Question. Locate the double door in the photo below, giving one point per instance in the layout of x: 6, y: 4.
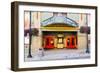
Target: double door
x: 71, y: 42
x: 49, y: 42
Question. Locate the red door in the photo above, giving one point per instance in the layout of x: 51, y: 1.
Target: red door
x: 49, y: 42
x: 71, y: 42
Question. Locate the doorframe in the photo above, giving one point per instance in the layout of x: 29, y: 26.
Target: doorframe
x: 62, y: 41
x: 76, y: 40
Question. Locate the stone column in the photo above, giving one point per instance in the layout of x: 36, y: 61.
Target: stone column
x: 36, y: 40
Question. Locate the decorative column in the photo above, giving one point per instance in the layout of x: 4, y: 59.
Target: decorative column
x: 37, y: 35
x: 86, y: 29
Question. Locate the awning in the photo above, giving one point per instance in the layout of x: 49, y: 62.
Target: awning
x: 59, y: 20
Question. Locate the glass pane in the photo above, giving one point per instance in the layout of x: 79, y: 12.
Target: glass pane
x: 60, y: 40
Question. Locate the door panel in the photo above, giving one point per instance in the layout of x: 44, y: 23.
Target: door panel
x: 60, y: 45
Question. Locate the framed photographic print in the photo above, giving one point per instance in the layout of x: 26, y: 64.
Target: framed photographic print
x: 52, y: 36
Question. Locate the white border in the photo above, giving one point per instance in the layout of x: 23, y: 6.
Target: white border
x: 33, y: 64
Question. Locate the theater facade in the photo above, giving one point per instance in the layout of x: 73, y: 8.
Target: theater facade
x: 57, y: 32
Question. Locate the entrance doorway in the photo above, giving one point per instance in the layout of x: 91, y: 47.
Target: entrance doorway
x: 71, y: 42
x: 49, y: 42
x: 60, y: 41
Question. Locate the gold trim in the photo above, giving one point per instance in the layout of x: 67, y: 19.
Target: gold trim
x: 60, y: 28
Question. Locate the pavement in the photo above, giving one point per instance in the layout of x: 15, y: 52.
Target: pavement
x: 60, y: 54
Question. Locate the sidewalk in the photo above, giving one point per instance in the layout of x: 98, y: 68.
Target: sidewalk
x: 59, y: 54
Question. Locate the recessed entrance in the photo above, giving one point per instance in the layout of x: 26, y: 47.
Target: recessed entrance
x: 59, y: 40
